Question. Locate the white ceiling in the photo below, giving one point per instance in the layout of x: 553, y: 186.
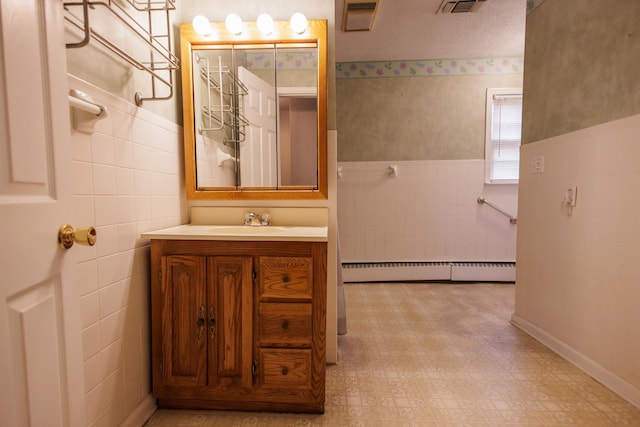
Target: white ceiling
x: 411, y: 29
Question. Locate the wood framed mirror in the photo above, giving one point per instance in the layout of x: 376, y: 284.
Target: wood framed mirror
x: 255, y: 112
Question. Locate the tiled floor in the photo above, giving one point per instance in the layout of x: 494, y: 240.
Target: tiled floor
x: 424, y: 354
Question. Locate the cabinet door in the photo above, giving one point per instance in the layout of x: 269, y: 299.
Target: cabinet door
x: 230, y: 309
x: 184, y: 336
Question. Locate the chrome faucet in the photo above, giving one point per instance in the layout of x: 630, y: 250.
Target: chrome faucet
x: 255, y: 220
x: 251, y: 218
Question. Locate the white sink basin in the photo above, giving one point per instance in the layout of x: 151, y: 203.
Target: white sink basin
x: 241, y: 232
x: 242, y: 229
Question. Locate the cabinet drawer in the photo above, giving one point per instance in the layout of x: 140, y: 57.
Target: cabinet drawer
x: 286, y: 277
x: 284, y: 324
x: 285, y: 368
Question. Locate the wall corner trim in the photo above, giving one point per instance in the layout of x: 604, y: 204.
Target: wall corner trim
x: 141, y: 414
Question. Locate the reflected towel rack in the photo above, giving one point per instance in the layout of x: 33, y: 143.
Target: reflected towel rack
x: 228, y: 112
x: 482, y: 200
x: 161, y: 61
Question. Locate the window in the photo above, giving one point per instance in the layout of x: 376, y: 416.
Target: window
x: 502, y: 141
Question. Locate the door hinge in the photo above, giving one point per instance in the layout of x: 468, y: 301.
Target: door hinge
x: 254, y: 367
x: 254, y: 274
x: 160, y: 274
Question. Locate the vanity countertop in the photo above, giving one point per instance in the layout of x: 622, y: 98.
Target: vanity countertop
x: 241, y: 233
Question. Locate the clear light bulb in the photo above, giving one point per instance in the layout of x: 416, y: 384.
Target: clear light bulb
x: 298, y: 22
x: 265, y: 23
x: 233, y: 23
x: 201, y: 25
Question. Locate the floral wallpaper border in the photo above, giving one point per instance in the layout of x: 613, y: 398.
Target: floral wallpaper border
x: 260, y: 60
x: 428, y: 67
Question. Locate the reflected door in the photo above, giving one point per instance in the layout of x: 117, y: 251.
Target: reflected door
x: 258, y: 151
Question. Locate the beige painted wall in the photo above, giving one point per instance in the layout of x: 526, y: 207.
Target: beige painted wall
x: 581, y: 64
x: 414, y: 118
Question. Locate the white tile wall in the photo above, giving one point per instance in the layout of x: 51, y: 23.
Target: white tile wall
x: 428, y: 213
x: 127, y: 179
x: 578, y: 275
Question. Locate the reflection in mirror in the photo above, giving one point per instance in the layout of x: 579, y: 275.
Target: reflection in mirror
x: 214, y: 121
x: 259, y: 150
x: 258, y: 117
x: 255, y: 116
x: 297, y: 116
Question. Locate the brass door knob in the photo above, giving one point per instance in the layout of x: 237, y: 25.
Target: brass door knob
x: 67, y: 236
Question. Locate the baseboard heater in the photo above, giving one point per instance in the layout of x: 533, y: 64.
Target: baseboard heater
x: 429, y: 271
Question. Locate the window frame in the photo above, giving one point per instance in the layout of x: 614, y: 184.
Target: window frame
x: 488, y: 144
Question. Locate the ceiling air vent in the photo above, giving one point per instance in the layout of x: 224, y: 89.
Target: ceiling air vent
x: 359, y: 14
x: 460, y: 6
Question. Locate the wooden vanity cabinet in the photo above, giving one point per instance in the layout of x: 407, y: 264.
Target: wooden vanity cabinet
x: 239, y: 325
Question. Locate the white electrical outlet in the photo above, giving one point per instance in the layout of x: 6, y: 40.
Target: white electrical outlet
x: 537, y: 164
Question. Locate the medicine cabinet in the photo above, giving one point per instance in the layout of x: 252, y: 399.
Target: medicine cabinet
x: 255, y: 112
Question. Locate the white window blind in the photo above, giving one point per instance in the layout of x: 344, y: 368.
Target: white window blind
x: 504, y: 123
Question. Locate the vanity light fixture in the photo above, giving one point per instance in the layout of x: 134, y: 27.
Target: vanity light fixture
x: 265, y: 23
x: 234, y: 24
x: 298, y: 22
x: 201, y: 25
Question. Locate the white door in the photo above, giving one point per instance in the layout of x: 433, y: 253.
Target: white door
x: 258, y: 153
x: 41, y: 373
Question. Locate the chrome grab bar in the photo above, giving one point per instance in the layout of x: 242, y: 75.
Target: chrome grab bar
x: 82, y: 101
x: 512, y: 220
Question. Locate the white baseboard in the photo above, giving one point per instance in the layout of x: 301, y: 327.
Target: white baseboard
x: 483, y: 272
x: 607, y: 378
x: 457, y: 271
x: 395, y: 271
x: 142, y: 413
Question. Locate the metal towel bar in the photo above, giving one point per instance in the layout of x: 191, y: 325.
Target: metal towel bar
x: 160, y: 63
x: 512, y: 219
